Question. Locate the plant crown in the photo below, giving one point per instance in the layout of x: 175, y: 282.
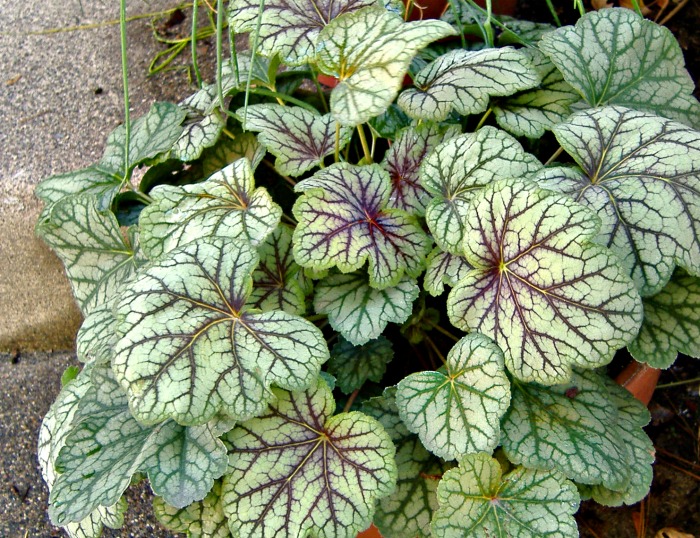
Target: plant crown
x: 287, y: 256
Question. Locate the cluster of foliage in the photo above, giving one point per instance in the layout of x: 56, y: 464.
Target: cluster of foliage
x: 233, y: 304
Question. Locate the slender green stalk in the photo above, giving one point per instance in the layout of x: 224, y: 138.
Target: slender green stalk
x: 283, y: 97
x: 253, y: 52
x: 553, y: 11
x: 578, y: 4
x: 337, y: 142
x: 554, y: 156
x: 219, y: 50
x: 125, y: 82
x: 363, y: 141
x: 483, y: 119
x: 679, y: 383
x: 453, y: 6
x: 637, y: 8
x: 234, y: 54
x: 487, y: 24
x: 195, y: 65
x: 321, y: 95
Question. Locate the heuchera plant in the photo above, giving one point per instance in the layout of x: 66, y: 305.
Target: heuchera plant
x: 271, y: 342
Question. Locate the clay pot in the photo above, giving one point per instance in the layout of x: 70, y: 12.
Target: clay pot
x: 372, y: 532
x: 640, y: 379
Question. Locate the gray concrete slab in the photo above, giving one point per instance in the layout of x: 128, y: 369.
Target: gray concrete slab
x: 60, y: 95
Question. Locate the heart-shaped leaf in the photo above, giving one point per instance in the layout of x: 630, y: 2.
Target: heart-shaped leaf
x: 97, y: 335
x: 360, y: 312
x: 444, y: 269
x: 226, y: 204
x: 202, y: 519
x: 344, y: 221
x: 300, y: 471
x: 57, y: 424
x: 671, y: 323
x: 614, y: 56
x: 547, y: 296
x: 97, y: 257
x: 465, y: 81
x: 352, y: 365
x: 278, y: 282
x: 571, y: 427
x: 202, y: 127
x: 190, y: 346
x: 458, y: 411
x: 461, y: 167
x: 532, y: 112
x: 289, y: 28
x: 298, y: 138
x: 632, y: 416
x: 641, y: 174
x: 108, y: 446
x: 403, y: 160
x: 407, y: 511
x: 369, y: 51
x: 476, y: 500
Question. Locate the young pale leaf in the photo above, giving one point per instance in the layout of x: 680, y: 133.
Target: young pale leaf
x: 632, y: 416
x: 202, y: 127
x: 278, y: 282
x: 461, y: 167
x: 443, y: 269
x: 298, y: 138
x: 407, y: 511
x: 108, y: 446
x: 532, y: 112
x: 403, y: 160
x: 57, y: 424
x: 97, y: 257
x: 97, y: 335
x: 614, y: 56
x: 344, y: 221
x: 151, y: 135
x: 360, y: 312
x: 202, y: 519
x: 289, y: 28
x: 572, y: 428
x: 298, y: 471
x: 641, y: 174
x: 190, y: 346
x: 352, y: 365
x: 547, y: 296
x: 226, y: 204
x: 369, y: 51
x: 671, y: 323
x: 458, y: 412
x: 227, y: 151
x: 476, y: 500
x: 465, y: 80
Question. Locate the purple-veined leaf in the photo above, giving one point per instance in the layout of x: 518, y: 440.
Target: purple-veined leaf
x: 352, y: 365
x: 108, y: 446
x: 369, y: 51
x: 298, y: 138
x: 298, y: 471
x: 226, y: 204
x: 465, y: 81
x: 97, y: 257
x: 403, y: 160
x: 407, y: 511
x: 443, y: 269
x: 289, y: 28
x: 477, y: 500
x: 344, y: 221
x: 615, y: 57
x: 461, y: 167
x: 641, y: 174
x: 191, y: 347
x: 671, y: 323
x: 278, y: 282
x: 360, y: 312
x: 548, y: 296
x: 457, y: 410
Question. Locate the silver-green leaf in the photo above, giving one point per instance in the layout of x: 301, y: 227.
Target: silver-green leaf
x: 458, y: 411
x: 615, y: 57
x: 202, y: 127
x: 97, y: 335
x: 444, y: 269
x: 299, y: 471
x: 360, y: 312
x: 464, y: 81
x: 190, y: 345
